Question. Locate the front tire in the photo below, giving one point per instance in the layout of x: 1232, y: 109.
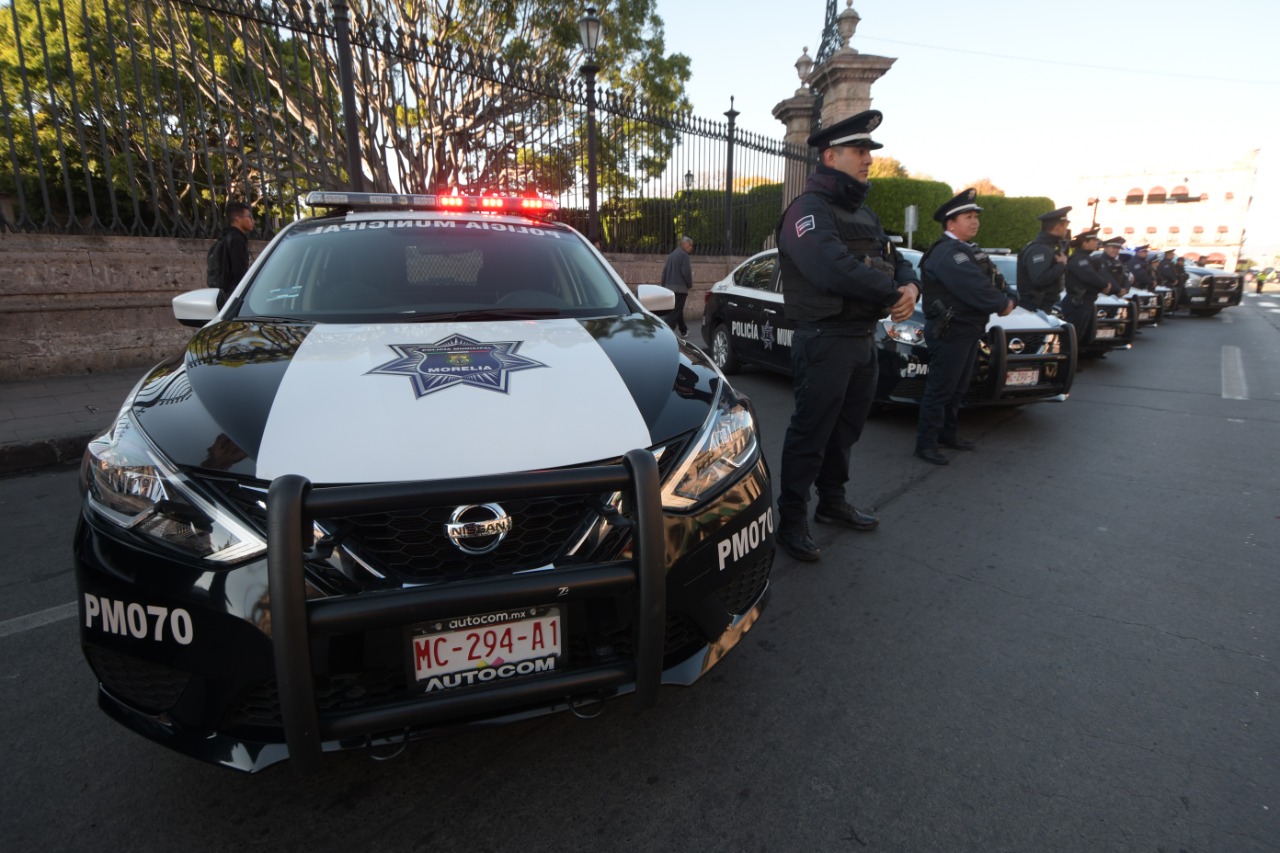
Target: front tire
x: 722, y: 350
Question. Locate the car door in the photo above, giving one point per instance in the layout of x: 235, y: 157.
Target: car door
x: 746, y: 303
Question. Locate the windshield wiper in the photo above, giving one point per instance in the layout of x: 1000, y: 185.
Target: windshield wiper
x: 490, y: 314
x: 268, y: 318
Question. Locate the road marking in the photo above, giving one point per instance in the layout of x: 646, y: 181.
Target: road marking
x: 1269, y: 305
x: 38, y: 619
x: 1233, y: 384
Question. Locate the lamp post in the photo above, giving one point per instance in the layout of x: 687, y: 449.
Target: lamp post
x: 589, y: 34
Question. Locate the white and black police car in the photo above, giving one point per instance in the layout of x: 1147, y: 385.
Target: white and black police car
x: 1115, y: 319
x: 1207, y: 291
x: 432, y: 466
x: 1025, y: 357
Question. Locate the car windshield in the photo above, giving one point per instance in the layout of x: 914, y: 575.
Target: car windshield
x: 1007, y: 266
x: 426, y: 268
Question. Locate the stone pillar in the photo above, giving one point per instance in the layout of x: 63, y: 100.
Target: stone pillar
x: 845, y: 78
x: 796, y: 113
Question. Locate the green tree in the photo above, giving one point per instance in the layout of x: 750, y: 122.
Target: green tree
x: 887, y: 167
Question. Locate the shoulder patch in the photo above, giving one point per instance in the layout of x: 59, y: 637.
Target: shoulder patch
x: 960, y: 258
x: 1035, y: 259
x: 805, y: 224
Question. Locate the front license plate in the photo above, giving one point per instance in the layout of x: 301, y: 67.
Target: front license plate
x: 1224, y: 298
x: 1144, y: 315
x: 471, y: 650
x: 1022, y: 377
x: 1105, y: 333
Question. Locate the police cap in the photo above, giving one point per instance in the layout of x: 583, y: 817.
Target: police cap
x: 1091, y: 234
x: 1142, y: 248
x: 964, y: 201
x: 1054, y: 215
x: 855, y: 130
x: 1114, y: 241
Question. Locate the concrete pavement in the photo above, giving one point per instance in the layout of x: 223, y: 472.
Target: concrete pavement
x: 49, y: 421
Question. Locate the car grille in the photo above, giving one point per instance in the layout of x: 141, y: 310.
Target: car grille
x: 141, y: 684
x: 414, y: 546
x: 738, y: 595
x: 1031, y: 343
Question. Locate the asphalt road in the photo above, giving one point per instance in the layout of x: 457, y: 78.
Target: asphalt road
x: 1064, y: 641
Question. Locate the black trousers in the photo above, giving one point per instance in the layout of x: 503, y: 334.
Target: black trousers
x: 1084, y: 318
x: 675, y: 319
x: 951, y: 363
x: 834, y: 374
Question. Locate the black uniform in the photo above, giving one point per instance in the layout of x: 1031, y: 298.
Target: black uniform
x: 1084, y: 282
x: 235, y: 261
x: 1039, y: 273
x: 1141, y: 273
x: 840, y: 275
x: 962, y: 289
x: 1113, y: 269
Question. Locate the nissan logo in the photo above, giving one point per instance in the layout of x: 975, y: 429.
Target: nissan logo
x: 478, y: 528
x: 1016, y: 345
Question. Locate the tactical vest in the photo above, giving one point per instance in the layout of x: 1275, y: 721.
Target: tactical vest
x: 933, y: 290
x: 864, y: 239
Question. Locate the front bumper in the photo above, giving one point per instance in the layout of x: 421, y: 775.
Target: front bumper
x: 265, y: 664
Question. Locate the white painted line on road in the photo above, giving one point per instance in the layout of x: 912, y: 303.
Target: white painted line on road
x: 38, y: 619
x: 1269, y: 305
x: 1233, y: 384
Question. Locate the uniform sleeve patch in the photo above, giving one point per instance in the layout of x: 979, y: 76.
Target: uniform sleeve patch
x: 960, y: 258
x: 1035, y: 259
x: 804, y: 225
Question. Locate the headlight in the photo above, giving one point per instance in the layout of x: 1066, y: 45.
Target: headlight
x: 129, y: 483
x: 726, y: 445
x: 907, y: 333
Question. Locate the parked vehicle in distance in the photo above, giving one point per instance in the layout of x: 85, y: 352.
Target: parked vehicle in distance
x: 1023, y: 358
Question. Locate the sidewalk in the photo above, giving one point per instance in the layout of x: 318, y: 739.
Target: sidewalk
x: 49, y: 421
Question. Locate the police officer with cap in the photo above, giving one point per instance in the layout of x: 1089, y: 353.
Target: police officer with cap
x: 1112, y: 267
x: 840, y: 276
x: 1042, y: 263
x: 962, y: 288
x: 1139, y: 269
x: 1084, y: 282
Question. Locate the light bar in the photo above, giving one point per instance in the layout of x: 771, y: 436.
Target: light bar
x: 383, y: 201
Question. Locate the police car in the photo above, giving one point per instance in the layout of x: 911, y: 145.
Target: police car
x: 1023, y: 358
x: 432, y: 466
x: 1207, y: 291
x: 1116, y: 321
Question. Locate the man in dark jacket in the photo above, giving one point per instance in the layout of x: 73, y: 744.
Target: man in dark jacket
x: 840, y: 276
x: 1112, y: 267
x: 1043, y: 262
x: 1085, y: 281
x: 233, y: 247
x: 961, y: 290
x: 677, y: 276
x: 1139, y: 268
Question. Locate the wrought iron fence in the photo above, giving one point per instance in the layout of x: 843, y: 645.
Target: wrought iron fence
x: 144, y: 117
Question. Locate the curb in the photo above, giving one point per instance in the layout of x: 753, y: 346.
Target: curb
x: 26, y: 457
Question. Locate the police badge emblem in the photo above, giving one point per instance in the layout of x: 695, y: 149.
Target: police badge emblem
x: 456, y: 360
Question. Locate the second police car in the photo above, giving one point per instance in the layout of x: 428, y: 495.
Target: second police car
x: 432, y: 466
x: 1025, y: 357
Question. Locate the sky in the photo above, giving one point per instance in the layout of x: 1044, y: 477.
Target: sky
x: 1032, y: 97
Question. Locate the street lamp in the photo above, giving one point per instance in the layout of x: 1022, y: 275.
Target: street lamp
x: 589, y: 33
x: 687, y: 202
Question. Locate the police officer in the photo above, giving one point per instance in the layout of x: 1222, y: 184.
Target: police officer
x: 1138, y: 268
x: 1111, y: 266
x: 840, y: 276
x: 961, y: 290
x: 1084, y: 282
x: 1043, y: 262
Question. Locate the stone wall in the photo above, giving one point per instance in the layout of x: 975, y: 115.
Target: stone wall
x: 74, y: 305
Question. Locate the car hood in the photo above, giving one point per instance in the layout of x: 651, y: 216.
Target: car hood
x: 348, y: 403
x: 1024, y: 320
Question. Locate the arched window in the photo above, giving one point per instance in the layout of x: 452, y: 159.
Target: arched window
x: 1199, y: 229
x: 1111, y: 200
x: 1151, y: 229
x: 1106, y: 230
x: 1128, y: 230
x: 1204, y: 196
x: 1216, y: 258
x: 1157, y: 195
x: 1134, y: 196
x: 1174, y: 229
x: 1180, y: 193
x: 1222, y: 229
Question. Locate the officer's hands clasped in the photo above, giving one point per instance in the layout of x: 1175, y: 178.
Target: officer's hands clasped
x: 906, y: 304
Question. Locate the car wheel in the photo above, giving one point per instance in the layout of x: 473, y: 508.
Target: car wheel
x: 722, y: 350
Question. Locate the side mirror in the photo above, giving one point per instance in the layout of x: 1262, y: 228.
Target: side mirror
x: 197, y: 307
x: 655, y: 297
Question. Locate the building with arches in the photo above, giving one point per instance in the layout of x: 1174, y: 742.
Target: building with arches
x: 1196, y: 214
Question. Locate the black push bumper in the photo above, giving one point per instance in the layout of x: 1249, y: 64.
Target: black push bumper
x: 292, y: 504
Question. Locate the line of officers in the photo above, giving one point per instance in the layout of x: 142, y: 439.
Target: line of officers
x: 841, y: 275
